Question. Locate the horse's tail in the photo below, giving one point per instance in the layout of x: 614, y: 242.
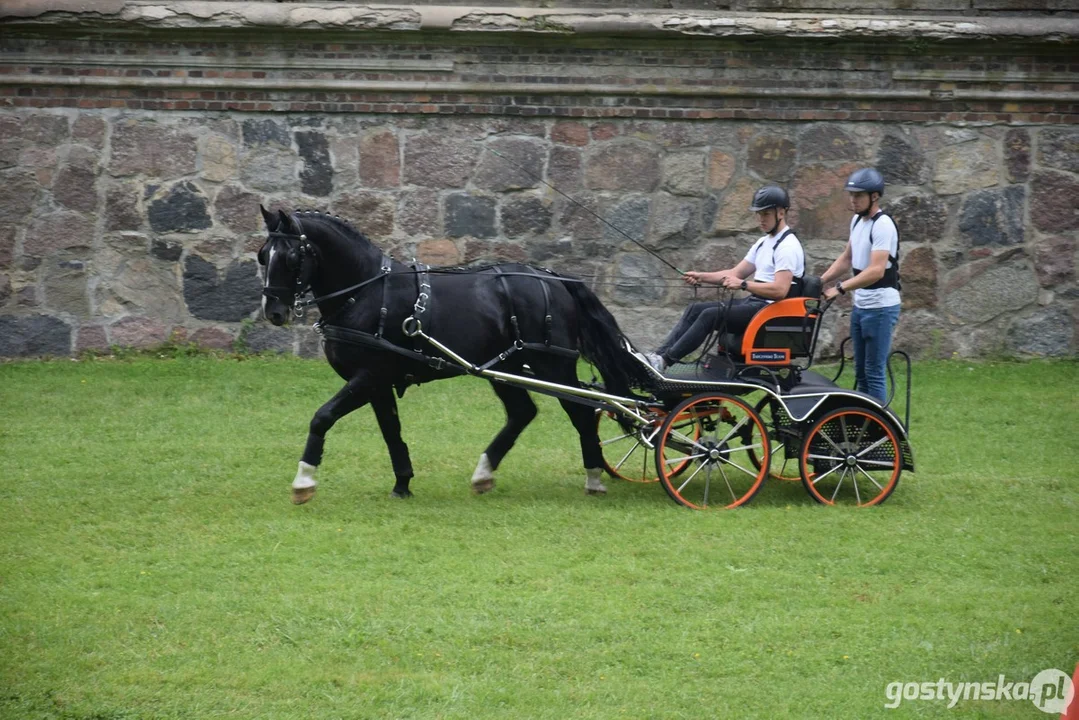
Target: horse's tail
x: 601, y: 341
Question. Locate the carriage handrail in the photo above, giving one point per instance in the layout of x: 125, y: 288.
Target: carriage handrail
x: 906, y: 359
x: 891, y: 377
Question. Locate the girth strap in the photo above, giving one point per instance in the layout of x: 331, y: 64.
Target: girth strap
x: 548, y: 322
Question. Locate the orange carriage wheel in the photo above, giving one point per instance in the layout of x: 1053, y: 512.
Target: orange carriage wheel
x: 851, y: 456
x: 628, y: 454
x: 709, y: 439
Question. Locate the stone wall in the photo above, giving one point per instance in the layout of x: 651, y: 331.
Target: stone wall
x: 133, y: 164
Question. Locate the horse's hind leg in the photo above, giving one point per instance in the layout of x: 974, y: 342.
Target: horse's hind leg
x: 520, y: 410
x: 347, y: 399
x: 385, y: 407
x: 584, y: 420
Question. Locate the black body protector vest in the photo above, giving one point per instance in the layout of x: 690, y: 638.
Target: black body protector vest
x: 891, y: 273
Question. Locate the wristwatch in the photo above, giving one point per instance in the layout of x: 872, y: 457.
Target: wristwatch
x: 839, y: 287
x: 744, y: 287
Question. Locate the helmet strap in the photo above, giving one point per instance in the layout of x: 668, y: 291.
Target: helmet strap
x: 775, y: 225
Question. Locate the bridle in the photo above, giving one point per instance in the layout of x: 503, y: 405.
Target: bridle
x: 303, y: 261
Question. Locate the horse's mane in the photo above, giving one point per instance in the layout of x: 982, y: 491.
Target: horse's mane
x: 352, y: 233
x: 346, y: 228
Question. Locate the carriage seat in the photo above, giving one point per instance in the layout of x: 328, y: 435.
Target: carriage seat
x: 781, y: 331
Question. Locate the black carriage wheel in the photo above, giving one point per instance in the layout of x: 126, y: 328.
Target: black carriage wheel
x: 851, y: 456
x: 708, y: 438
x: 773, y: 415
x: 628, y: 455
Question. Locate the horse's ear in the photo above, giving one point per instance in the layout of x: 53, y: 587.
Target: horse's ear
x: 288, y: 223
x: 267, y: 217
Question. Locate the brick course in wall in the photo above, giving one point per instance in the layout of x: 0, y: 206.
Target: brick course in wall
x: 133, y: 166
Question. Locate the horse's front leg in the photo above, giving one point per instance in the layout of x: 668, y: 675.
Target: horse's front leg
x: 352, y: 396
x: 385, y: 406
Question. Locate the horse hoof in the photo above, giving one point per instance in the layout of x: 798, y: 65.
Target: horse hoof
x: 482, y: 486
x: 302, y: 495
x: 401, y: 495
x: 595, y: 491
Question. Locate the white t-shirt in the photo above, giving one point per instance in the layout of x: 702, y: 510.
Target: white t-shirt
x: 767, y: 259
x: 885, y: 237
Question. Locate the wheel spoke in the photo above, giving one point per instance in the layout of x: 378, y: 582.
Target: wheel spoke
x: 830, y: 442
x: 747, y: 472
x: 687, y: 439
x: 608, y: 441
x: 870, y: 477
x: 873, y: 446
x: 839, y: 484
x: 826, y: 474
x: 618, y: 466
x: 879, y: 463
x: 857, y: 495
x: 825, y: 457
x: 747, y: 447
x: 734, y: 495
x: 843, y: 428
x: 690, y: 478
x: 707, y: 484
x: 736, y: 428
x: 686, y: 458
x: 861, y: 432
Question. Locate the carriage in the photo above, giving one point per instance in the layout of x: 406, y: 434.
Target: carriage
x: 711, y: 431
x: 750, y: 408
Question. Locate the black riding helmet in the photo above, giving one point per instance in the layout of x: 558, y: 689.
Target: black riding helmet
x: 866, y: 180
x: 770, y: 196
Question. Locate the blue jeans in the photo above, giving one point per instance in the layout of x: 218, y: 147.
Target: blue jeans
x: 871, y: 333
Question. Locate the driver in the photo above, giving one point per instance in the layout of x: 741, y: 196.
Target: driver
x: 770, y: 271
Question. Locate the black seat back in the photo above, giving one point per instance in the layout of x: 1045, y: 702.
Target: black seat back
x: 812, y: 287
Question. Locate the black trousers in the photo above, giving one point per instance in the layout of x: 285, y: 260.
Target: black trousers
x: 701, y: 318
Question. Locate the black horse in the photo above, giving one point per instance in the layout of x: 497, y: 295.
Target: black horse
x: 375, y: 312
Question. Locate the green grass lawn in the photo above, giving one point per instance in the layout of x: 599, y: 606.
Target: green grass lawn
x: 153, y: 567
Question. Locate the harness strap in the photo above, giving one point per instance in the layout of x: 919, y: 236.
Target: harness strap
x: 547, y: 321
x: 382, y: 312
x: 413, y: 325
x: 513, y: 311
x: 336, y: 333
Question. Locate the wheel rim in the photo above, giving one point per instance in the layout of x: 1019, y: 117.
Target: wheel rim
x: 629, y: 456
x: 708, y: 440
x: 851, y: 457
x: 770, y: 411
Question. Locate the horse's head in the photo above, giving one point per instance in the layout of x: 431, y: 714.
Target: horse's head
x: 289, y: 263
